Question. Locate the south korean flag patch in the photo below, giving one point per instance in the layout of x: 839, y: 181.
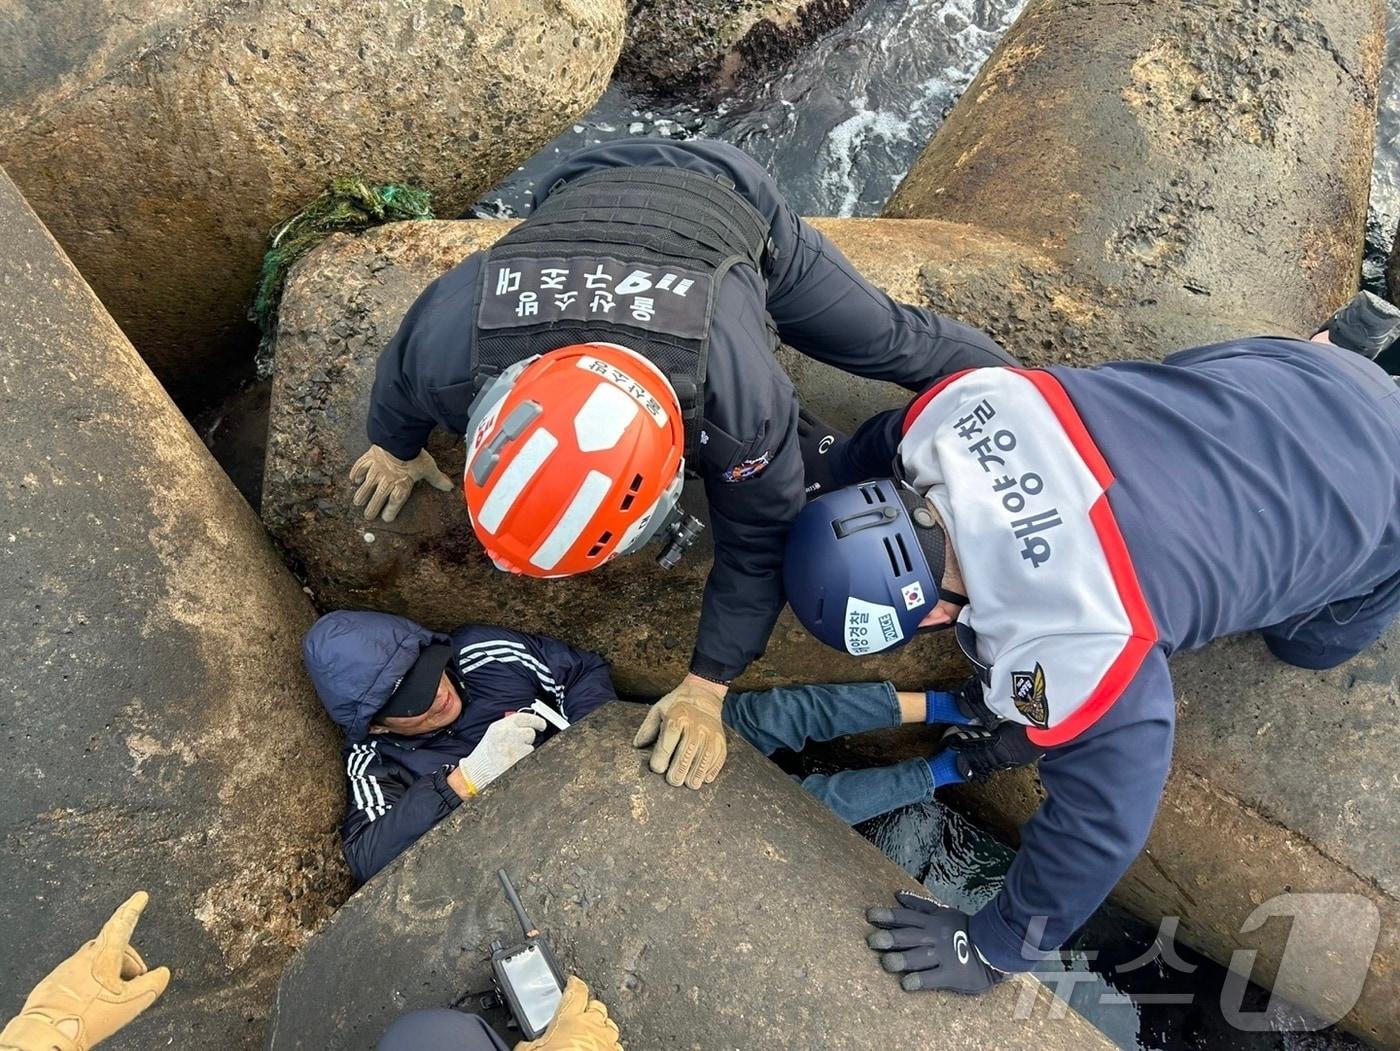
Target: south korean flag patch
x: 913, y: 595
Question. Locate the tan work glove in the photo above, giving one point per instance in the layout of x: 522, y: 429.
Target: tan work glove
x: 388, y: 481
x: 689, y: 735
x: 90, y: 995
x: 580, y: 1024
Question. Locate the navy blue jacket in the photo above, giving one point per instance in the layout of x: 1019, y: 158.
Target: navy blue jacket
x: 397, y: 786
x: 818, y: 304
x: 1257, y: 487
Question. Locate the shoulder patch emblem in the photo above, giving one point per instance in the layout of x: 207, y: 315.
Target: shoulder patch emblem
x: 1028, y: 694
x: 748, y: 468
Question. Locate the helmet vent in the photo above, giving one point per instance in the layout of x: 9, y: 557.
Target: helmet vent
x: 904, y: 554
x: 598, y: 546
x: 895, y: 566
x: 632, y: 492
x: 872, y: 494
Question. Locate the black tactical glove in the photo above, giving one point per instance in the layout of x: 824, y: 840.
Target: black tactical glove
x: 931, y: 947
x: 818, y: 442
x: 982, y: 753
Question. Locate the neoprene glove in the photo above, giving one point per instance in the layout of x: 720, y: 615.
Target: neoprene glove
x: 580, y: 1024
x: 505, y: 743
x: 92, y: 994
x: 931, y: 947
x: 685, y: 724
x: 818, y: 442
x: 385, y: 481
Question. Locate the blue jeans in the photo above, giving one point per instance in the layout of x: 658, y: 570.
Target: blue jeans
x: 791, y: 716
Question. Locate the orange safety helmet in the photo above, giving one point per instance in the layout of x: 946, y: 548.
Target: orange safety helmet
x: 573, y: 457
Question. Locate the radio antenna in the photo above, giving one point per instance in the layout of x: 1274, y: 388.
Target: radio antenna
x: 514, y: 899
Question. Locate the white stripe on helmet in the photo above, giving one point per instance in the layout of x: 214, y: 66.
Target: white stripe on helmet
x: 627, y: 384
x: 570, y: 527
x: 604, y: 418
x: 513, y: 479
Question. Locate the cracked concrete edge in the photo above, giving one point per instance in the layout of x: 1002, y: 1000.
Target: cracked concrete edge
x: 730, y: 917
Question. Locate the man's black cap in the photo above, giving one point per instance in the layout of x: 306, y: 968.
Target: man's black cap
x: 415, y: 692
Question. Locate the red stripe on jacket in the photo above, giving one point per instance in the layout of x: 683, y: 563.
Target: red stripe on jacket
x: 1142, y: 626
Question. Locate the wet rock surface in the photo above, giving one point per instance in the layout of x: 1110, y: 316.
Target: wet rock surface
x: 728, y: 918
x: 1392, y: 270
x: 161, y: 142
x: 1169, y: 152
x: 235, y: 432
x: 673, y: 46
x: 160, y: 731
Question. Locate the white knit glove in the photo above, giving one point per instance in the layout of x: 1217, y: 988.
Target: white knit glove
x: 505, y: 743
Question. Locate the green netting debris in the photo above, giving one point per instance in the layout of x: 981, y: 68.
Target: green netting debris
x: 348, y: 205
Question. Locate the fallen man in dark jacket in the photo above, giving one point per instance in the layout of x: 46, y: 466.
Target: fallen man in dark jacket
x: 431, y: 719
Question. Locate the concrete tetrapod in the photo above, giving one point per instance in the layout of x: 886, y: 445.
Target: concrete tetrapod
x: 1196, y: 167
x: 1109, y: 187
x: 159, y: 729
x: 161, y: 140
x: 1198, y: 171
x: 729, y: 918
x: 1273, y: 787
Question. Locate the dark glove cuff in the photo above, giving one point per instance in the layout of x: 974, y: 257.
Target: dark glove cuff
x: 968, y: 698
x: 712, y: 670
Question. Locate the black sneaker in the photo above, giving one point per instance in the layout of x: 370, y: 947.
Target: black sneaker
x: 1367, y: 324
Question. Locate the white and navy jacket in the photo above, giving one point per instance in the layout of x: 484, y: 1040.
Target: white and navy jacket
x: 1104, y: 518
x: 396, y: 786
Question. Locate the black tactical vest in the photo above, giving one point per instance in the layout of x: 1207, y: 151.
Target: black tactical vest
x: 632, y: 256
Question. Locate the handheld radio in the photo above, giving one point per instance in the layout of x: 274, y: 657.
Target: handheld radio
x: 527, y: 975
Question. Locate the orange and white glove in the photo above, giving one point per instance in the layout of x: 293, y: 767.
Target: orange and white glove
x: 90, y: 995
x: 580, y: 1024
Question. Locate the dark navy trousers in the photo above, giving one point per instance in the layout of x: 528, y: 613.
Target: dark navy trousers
x: 439, y: 1029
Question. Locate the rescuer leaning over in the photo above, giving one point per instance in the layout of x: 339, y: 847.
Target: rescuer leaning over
x: 1077, y: 527
x: 622, y: 337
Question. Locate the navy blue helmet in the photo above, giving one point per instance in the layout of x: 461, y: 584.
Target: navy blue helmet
x: 863, y: 566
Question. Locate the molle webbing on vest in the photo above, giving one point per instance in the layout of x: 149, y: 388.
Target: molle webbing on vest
x: 669, y: 233
x: 681, y: 215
